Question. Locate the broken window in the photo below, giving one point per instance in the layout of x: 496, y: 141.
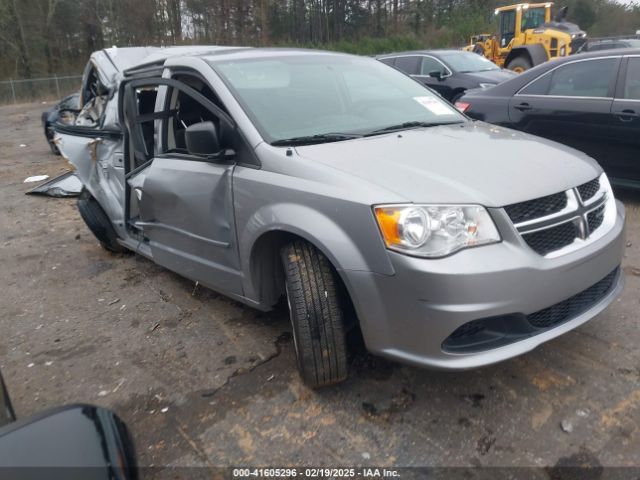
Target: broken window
x: 94, y: 99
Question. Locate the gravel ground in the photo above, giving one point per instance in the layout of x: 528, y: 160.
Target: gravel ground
x: 204, y: 381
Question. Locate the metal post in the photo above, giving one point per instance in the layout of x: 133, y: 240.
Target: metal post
x: 13, y: 91
x: 57, y: 85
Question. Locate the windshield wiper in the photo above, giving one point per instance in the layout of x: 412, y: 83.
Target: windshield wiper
x: 311, y: 139
x: 407, y: 125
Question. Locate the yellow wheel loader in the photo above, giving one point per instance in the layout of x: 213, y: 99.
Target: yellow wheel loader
x: 528, y: 37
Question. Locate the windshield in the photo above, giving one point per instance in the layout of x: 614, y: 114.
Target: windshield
x: 333, y: 96
x: 467, y: 62
x: 532, y: 18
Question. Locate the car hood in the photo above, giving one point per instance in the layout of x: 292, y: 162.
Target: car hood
x: 472, y: 162
x: 493, y: 76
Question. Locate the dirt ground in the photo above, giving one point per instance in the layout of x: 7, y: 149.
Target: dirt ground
x: 204, y: 381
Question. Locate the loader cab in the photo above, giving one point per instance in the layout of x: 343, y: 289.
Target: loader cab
x: 514, y: 20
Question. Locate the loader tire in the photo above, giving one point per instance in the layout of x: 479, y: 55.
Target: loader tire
x: 519, y: 64
x: 98, y: 222
x: 316, y: 314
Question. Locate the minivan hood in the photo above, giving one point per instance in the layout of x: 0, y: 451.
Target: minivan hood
x: 471, y: 162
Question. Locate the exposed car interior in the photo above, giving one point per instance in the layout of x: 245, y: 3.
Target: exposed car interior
x: 186, y: 111
x: 93, y: 100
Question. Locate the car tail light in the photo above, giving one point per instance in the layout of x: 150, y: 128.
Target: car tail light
x: 463, y: 106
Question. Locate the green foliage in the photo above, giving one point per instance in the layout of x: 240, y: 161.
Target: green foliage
x: 372, y: 46
x: 46, y: 37
x: 584, y: 14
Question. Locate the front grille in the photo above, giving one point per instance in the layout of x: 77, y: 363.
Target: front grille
x: 551, y: 239
x: 595, y: 218
x: 574, y: 306
x: 540, y: 207
x: 553, y: 222
x: 589, y: 189
x: 488, y: 333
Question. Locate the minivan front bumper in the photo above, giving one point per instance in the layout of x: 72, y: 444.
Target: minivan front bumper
x: 408, y: 316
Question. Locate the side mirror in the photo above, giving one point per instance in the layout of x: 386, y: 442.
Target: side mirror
x: 202, y: 139
x: 437, y: 74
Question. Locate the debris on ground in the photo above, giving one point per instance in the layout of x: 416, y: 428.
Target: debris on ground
x: 65, y: 185
x: 35, y: 178
x: 566, y: 426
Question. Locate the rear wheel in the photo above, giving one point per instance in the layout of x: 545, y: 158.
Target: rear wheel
x: 316, y: 315
x: 519, y: 64
x: 98, y: 222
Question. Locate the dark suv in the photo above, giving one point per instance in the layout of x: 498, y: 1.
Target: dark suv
x: 598, y: 44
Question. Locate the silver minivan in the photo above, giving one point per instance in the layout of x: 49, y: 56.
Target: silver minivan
x: 357, y: 194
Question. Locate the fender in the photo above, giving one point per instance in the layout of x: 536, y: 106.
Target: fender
x: 536, y: 53
x: 315, y: 227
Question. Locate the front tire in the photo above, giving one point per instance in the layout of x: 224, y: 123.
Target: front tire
x: 99, y: 223
x: 316, y: 315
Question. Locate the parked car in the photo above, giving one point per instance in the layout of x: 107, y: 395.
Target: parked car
x: 590, y: 102
x: 448, y: 72
x: 598, y: 44
x: 65, y: 111
x: 75, y: 441
x: 360, y: 196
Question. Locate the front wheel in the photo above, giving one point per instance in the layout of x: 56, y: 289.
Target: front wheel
x: 519, y: 64
x: 98, y: 222
x: 316, y: 315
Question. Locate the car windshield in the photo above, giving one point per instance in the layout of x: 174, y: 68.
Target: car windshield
x: 330, y: 97
x: 467, y: 62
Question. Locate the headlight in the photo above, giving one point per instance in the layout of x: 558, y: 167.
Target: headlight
x: 435, y: 230
x: 487, y: 85
x: 563, y: 51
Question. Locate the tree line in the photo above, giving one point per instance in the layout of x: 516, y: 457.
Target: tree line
x: 46, y: 37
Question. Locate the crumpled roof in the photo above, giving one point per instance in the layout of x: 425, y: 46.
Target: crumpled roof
x: 111, y: 61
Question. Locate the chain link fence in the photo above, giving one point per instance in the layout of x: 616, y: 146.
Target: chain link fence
x: 38, y: 89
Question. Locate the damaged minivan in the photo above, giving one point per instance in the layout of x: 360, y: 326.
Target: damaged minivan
x: 355, y: 193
